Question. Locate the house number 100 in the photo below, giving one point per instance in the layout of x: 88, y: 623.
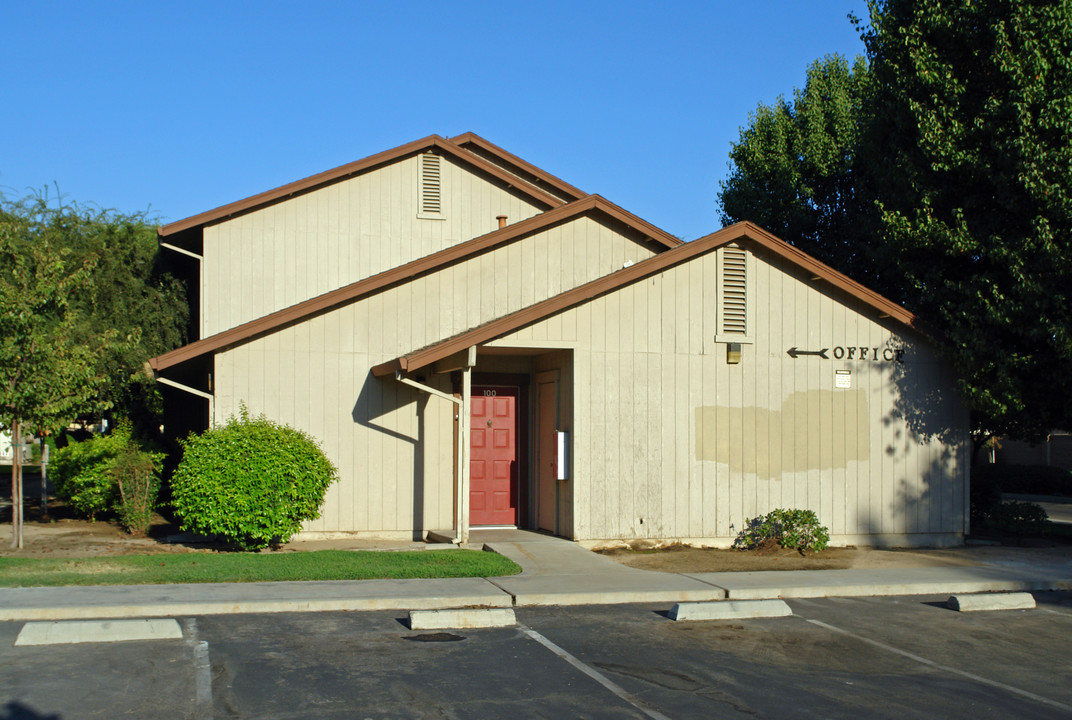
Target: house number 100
x: 489, y: 393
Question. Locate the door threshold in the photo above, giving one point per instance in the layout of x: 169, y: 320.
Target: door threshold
x: 478, y: 528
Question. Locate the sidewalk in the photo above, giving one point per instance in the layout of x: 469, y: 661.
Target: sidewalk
x: 555, y: 572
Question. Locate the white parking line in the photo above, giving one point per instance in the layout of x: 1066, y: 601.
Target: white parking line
x: 594, y: 674
x: 202, y: 670
x: 938, y: 666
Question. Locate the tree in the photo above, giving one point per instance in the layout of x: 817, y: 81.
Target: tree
x: 971, y: 146
x: 958, y: 182
x: 794, y: 170
x: 46, y: 376
x: 81, y: 308
x: 128, y: 292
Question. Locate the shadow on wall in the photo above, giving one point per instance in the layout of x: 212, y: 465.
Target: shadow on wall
x: 928, y: 441
x: 927, y: 401
x: 380, y: 398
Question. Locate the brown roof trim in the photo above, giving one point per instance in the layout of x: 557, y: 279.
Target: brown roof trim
x: 344, y: 171
x: 658, y: 263
x: 509, y: 158
x: 353, y: 291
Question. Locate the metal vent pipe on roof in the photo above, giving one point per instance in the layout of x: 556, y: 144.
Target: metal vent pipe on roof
x: 502, y: 221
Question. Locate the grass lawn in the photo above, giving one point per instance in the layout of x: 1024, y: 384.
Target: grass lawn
x: 252, y: 567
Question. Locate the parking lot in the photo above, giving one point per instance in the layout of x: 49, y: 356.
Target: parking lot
x: 895, y: 657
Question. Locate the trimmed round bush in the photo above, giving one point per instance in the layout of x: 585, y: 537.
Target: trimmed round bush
x: 252, y: 481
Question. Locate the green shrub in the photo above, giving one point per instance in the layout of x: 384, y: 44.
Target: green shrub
x: 1018, y: 518
x: 81, y: 477
x: 252, y: 481
x: 86, y: 476
x: 794, y: 529
x: 137, y: 478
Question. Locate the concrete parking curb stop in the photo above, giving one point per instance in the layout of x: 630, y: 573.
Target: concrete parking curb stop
x: 454, y: 619
x: 71, y: 632
x: 991, y: 601
x: 730, y: 610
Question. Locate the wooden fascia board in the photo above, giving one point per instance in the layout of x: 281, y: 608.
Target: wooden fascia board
x: 828, y: 274
x: 354, y: 291
x: 643, y: 226
x: 663, y: 261
x: 510, y: 159
x: 343, y: 171
x: 533, y: 313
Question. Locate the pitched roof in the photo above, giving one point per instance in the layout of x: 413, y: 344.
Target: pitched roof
x: 354, y: 291
x: 744, y: 231
x: 534, y: 186
x: 527, y: 171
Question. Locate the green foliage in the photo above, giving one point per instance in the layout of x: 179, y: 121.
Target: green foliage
x: 794, y: 168
x: 252, y: 481
x: 136, y: 476
x: 48, y: 371
x: 793, y: 529
x: 109, y: 472
x: 948, y: 163
x: 234, y: 567
x: 1018, y: 518
x: 81, y: 474
x: 971, y: 154
x: 82, y: 306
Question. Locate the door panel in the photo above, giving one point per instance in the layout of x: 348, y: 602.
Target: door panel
x: 493, y: 460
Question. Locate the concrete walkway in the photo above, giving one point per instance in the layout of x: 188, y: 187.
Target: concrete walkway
x: 555, y: 572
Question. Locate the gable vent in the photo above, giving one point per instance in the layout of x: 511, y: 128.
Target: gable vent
x: 430, y: 187
x: 734, y: 291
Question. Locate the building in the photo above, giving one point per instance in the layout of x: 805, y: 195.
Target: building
x: 478, y: 343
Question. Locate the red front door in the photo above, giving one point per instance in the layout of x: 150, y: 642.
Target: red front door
x: 493, y: 461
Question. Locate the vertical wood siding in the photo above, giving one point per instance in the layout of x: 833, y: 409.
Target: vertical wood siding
x: 673, y: 442
x: 289, y: 252
x: 394, y: 445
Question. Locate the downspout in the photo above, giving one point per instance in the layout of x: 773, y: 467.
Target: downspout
x: 461, y: 471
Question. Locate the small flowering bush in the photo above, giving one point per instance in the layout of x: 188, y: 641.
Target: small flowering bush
x: 793, y: 529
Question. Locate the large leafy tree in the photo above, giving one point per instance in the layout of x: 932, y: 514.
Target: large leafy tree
x: 959, y: 185
x: 970, y: 143
x: 794, y: 170
x: 81, y: 308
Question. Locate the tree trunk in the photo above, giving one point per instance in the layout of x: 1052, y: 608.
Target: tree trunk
x: 16, y: 486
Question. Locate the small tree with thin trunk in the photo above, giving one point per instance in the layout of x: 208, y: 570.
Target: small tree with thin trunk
x: 47, y: 377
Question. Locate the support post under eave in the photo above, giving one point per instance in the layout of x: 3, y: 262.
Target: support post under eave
x: 461, y: 470
x: 463, y: 447
x: 194, y: 391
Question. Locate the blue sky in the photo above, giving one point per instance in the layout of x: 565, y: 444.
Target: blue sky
x: 179, y: 107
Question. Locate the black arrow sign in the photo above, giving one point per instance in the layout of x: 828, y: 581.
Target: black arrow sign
x: 794, y: 353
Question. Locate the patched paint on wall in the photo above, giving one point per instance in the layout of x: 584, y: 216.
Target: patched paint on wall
x: 850, y: 407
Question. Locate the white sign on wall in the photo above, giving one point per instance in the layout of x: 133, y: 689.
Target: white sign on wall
x: 842, y: 379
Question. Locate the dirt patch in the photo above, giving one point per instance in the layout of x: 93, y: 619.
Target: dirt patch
x: 71, y: 538
x: 681, y: 558
x: 685, y: 559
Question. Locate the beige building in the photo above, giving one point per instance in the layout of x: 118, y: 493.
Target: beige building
x: 477, y: 343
